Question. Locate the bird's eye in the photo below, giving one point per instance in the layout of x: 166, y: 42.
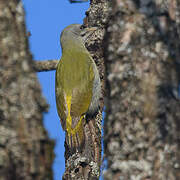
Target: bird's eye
x: 82, y: 27
x: 83, y: 31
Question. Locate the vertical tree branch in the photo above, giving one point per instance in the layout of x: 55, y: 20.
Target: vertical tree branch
x: 86, y: 165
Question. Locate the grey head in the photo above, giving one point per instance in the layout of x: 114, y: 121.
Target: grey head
x: 71, y: 36
x: 75, y: 34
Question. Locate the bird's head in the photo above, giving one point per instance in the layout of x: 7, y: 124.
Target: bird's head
x: 75, y: 34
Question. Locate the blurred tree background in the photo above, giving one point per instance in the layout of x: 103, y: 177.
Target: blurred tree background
x: 139, y: 43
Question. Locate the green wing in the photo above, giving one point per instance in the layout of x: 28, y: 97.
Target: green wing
x: 74, y: 76
x: 60, y: 98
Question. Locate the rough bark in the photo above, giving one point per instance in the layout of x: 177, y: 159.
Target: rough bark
x: 86, y: 165
x: 25, y: 150
x: 45, y: 65
x: 142, y: 129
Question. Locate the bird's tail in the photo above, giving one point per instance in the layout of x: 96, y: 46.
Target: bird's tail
x: 75, y: 137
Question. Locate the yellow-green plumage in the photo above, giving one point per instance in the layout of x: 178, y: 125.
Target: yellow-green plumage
x: 75, y: 77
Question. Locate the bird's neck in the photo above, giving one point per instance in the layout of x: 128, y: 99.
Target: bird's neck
x: 73, y: 45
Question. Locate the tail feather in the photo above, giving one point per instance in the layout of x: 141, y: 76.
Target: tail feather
x: 76, y: 138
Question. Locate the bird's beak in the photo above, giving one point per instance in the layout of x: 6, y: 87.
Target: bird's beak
x: 87, y: 32
x: 90, y: 29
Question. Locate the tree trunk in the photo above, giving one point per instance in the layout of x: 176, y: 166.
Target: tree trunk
x: 25, y: 151
x: 86, y: 165
x: 142, y: 127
